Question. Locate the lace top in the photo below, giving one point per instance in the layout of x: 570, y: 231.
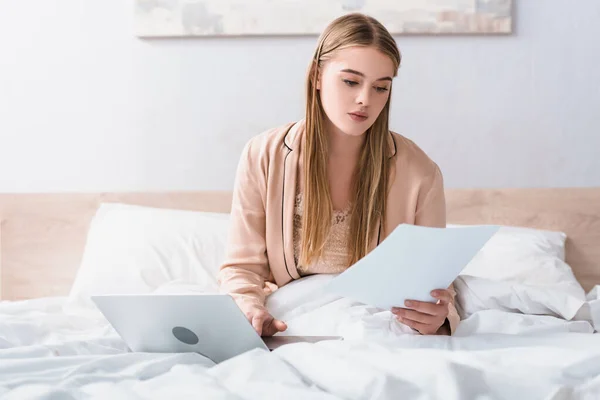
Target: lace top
x: 335, y: 253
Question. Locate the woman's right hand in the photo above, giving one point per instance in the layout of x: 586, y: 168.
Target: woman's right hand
x: 263, y: 322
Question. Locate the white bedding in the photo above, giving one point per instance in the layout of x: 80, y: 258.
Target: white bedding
x: 49, y: 352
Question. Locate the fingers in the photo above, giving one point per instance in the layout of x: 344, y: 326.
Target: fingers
x: 279, y: 325
x: 423, y: 316
x: 415, y: 316
x: 273, y: 326
x: 425, y: 324
x: 443, y: 295
x: 418, y: 326
x: 440, y: 308
x: 265, y: 325
x: 425, y: 329
x: 424, y: 307
x: 258, y: 321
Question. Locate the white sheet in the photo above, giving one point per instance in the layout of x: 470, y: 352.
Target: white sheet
x: 45, y: 352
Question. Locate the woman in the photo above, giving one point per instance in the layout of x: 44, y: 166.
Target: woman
x: 317, y: 195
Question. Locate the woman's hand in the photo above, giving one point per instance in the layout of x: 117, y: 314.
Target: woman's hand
x: 263, y: 322
x: 427, y: 318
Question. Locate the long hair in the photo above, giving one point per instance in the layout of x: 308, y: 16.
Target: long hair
x: 371, y: 178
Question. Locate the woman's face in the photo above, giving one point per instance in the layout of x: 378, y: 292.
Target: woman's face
x: 354, y: 86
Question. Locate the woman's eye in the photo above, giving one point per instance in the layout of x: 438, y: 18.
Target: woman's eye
x: 381, y: 89
x: 350, y: 83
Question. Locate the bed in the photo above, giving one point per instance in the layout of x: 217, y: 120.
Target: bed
x: 522, y: 341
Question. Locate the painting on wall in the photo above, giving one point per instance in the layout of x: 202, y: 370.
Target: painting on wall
x: 168, y: 18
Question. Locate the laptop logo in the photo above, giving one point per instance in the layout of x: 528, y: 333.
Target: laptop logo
x: 185, y: 335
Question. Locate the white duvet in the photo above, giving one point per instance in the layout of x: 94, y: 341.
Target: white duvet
x: 48, y: 351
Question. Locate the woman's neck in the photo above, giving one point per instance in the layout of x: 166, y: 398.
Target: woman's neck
x: 342, y: 145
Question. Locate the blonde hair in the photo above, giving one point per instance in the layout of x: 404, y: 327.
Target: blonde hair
x: 372, y: 173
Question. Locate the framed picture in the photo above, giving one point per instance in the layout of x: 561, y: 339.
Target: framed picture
x: 177, y: 18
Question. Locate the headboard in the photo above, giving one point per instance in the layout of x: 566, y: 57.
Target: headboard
x: 42, y: 236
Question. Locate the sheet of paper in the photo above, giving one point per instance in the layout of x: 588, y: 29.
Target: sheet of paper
x: 410, y: 263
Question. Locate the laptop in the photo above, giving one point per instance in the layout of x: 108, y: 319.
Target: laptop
x: 209, y: 324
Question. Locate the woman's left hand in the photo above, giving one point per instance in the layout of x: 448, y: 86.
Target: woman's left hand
x: 427, y: 318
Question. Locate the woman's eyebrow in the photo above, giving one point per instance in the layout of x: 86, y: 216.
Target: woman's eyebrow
x: 355, y: 72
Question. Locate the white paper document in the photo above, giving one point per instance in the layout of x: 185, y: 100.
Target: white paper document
x: 410, y: 263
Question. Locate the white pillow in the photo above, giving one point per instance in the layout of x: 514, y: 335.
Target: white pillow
x: 520, y: 270
x: 136, y: 249
x: 590, y: 312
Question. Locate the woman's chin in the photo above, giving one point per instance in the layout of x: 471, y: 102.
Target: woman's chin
x: 353, y: 129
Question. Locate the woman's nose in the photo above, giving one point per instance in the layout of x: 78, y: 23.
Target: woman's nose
x: 363, y: 97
